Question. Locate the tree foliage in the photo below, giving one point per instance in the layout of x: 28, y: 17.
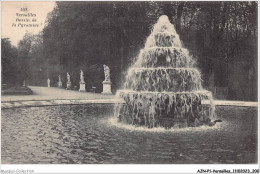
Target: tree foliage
x: 221, y: 36
x: 9, y: 58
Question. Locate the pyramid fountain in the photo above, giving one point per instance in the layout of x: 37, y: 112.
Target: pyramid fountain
x: 163, y: 88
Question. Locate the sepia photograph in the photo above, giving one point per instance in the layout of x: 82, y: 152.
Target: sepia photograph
x: 129, y: 82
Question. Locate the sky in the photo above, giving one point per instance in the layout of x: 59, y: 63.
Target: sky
x: 15, y: 23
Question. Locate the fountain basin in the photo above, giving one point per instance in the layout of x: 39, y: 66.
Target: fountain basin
x: 154, y: 109
x: 90, y: 134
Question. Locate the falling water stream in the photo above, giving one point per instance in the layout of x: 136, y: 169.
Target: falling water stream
x: 163, y: 88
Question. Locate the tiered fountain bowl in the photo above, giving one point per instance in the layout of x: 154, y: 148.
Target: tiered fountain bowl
x: 163, y: 88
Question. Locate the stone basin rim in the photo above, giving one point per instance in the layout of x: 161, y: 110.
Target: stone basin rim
x: 55, y: 102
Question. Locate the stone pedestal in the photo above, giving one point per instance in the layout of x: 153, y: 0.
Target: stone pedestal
x: 68, y: 85
x: 49, y: 85
x: 107, y: 87
x: 82, y: 87
x: 59, y: 84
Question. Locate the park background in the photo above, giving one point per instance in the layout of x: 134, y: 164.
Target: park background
x: 220, y: 36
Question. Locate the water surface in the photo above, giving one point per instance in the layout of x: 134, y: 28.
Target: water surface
x: 90, y: 134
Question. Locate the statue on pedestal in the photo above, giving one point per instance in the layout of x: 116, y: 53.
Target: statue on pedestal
x: 107, y: 82
x: 107, y: 73
x: 59, y: 83
x: 82, y: 87
x: 48, y: 82
x: 68, y: 81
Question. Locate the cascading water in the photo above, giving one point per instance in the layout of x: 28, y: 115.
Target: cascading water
x: 163, y: 88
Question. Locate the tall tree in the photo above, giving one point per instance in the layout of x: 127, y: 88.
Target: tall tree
x: 9, y: 58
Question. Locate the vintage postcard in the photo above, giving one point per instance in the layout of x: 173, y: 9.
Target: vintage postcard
x: 134, y: 86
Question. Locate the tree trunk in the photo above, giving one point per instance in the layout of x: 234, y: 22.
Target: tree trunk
x: 122, y: 58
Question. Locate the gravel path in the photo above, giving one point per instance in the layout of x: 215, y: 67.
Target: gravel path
x: 52, y: 93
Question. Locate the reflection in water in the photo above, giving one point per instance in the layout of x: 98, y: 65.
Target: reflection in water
x: 90, y: 134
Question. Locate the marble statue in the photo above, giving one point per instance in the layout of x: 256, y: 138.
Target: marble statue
x: 48, y: 82
x: 68, y: 77
x: 82, y: 77
x: 68, y: 81
x: 59, y: 83
x: 107, y: 73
